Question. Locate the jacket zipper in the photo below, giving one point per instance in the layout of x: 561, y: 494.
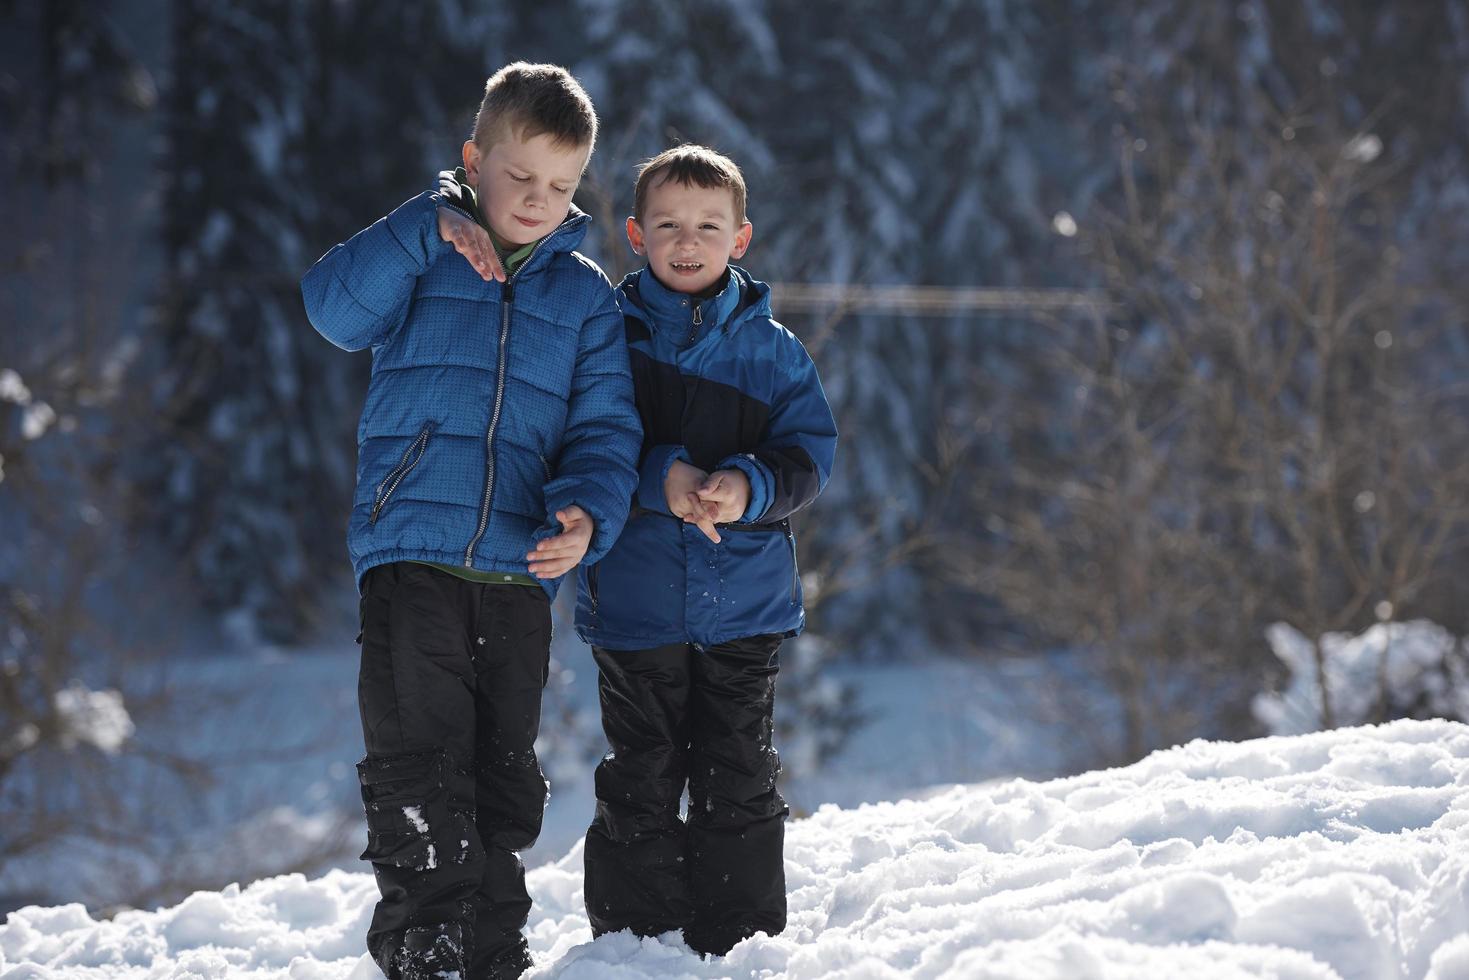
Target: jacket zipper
x: 484, y: 509
x: 545, y: 466
x: 795, y: 572
x: 391, y: 481
x: 506, y: 302
x: 698, y: 320
x: 592, y: 584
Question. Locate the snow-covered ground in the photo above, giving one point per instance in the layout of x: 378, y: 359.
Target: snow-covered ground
x: 278, y: 732
x: 1333, y: 855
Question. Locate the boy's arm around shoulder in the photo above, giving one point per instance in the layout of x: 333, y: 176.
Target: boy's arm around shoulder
x: 358, y: 293
x: 597, y: 465
x: 793, y: 461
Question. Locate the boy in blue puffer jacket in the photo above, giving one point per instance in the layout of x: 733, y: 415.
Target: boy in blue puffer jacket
x: 497, y: 449
x: 687, y: 611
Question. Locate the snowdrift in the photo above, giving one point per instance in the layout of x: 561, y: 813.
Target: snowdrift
x: 1333, y: 855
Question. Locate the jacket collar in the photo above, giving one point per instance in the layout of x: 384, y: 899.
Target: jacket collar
x: 565, y: 238
x: 672, y: 314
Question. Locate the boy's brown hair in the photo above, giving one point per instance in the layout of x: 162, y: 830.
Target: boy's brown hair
x: 530, y: 100
x: 692, y: 166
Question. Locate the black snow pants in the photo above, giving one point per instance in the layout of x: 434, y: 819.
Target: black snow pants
x: 677, y: 715
x: 450, y: 693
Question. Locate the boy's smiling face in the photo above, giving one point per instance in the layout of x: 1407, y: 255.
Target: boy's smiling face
x: 524, y: 186
x: 689, y: 234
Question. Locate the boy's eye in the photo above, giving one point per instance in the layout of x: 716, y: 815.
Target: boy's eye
x: 560, y: 190
x: 665, y: 224
x: 519, y: 179
x: 709, y: 227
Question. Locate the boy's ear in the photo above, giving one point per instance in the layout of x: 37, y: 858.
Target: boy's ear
x: 635, y: 235
x: 471, y: 161
x: 742, y: 240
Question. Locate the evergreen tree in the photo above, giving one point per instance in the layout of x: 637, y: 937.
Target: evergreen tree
x: 291, y: 126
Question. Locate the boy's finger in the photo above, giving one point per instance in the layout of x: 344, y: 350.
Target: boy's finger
x: 467, y: 247
x: 491, y: 260
x: 576, y: 530
x: 551, y: 569
x: 481, y: 260
x: 544, y: 551
x: 701, y: 517
x: 559, y: 543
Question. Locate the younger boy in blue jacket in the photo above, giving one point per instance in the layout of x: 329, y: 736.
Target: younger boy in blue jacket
x: 497, y: 448
x: 687, y: 611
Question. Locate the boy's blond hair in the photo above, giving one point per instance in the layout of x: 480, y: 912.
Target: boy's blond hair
x: 692, y: 166
x: 529, y: 100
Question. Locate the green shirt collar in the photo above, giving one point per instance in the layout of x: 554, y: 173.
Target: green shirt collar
x: 513, y: 260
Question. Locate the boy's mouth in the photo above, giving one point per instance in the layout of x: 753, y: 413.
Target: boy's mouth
x: 686, y: 268
x: 528, y: 222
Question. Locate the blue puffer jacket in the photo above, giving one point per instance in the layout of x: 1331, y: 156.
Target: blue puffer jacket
x: 491, y: 405
x: 721, y: 385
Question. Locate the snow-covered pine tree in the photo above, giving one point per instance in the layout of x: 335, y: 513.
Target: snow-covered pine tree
x: 292, y: 125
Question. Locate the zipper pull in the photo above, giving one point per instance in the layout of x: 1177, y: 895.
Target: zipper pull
x: 698, y: 314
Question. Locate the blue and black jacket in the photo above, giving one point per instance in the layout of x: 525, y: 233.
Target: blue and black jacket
x: 719, y: 384
x: 491, y: 405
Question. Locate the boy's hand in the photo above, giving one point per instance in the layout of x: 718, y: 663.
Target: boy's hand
x: 681, y: 491
x: 472, y: 242
x: 554, y: 557
x: 729, y: 492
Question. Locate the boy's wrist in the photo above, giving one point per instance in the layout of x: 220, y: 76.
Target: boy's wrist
x: 756, y: 478
x: 652, y: 491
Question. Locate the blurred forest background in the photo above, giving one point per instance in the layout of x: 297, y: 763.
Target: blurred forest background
x: 1194, y: 361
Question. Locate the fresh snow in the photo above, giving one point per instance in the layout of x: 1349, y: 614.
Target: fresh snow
x: 1340, y: 854
x: 286, y: 730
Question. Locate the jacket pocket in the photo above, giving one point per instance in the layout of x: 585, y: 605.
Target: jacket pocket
x: 592, y: 584
x: 411, y: 456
